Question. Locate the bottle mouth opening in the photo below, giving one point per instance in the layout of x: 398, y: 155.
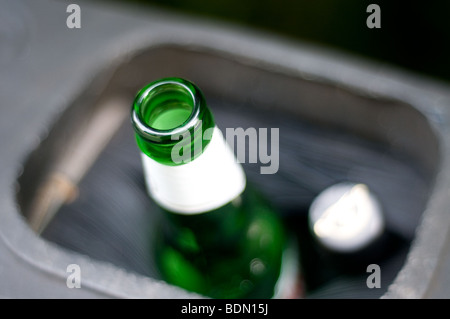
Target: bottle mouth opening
x: 165, y: 108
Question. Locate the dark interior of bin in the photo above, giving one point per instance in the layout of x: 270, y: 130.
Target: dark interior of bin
x: 328, y: 134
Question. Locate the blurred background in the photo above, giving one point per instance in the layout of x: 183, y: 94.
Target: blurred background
x: 414, y: 35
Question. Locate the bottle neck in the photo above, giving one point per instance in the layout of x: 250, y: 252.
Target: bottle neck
x: 170, y: 118
x: 188, y: 166
x: 210, y: 181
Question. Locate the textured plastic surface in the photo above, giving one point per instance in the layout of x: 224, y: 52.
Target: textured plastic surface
x: 339, y: 118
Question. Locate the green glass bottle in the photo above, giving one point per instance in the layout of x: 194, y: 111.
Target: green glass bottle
x: 218, y: 237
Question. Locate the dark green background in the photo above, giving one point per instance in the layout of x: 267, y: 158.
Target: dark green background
x: 414, y: 35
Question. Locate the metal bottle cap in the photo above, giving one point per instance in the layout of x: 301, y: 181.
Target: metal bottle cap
x: 346, y: 217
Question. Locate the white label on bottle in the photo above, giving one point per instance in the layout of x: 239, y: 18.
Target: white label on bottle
x: 289, y: 284
x: 210, y: 181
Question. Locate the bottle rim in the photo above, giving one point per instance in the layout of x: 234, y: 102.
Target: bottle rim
x: 160, y: 135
